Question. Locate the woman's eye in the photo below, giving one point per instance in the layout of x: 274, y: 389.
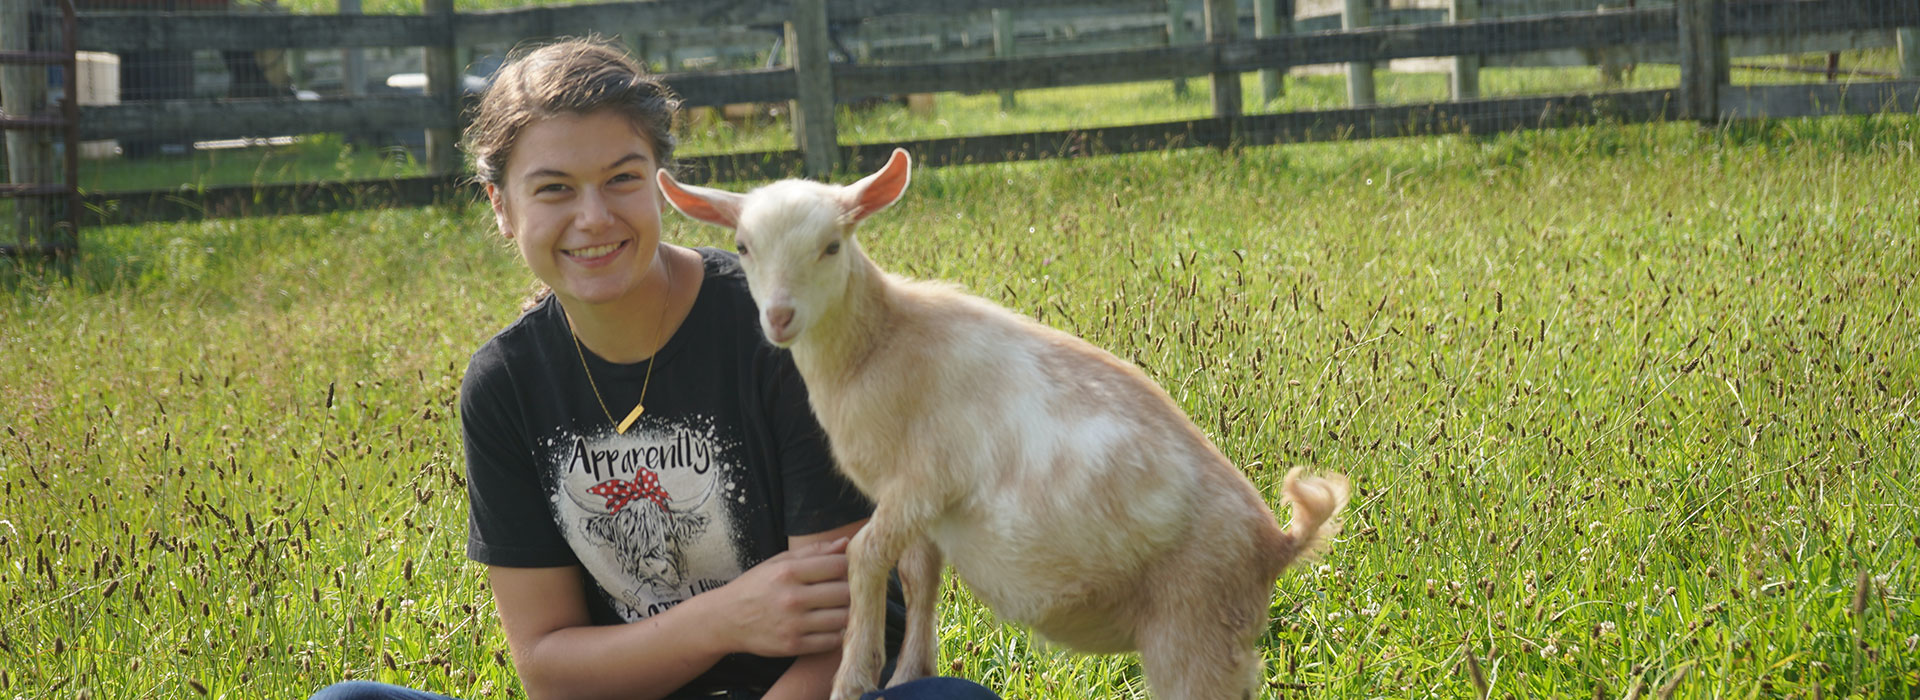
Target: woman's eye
x: 833, y: 248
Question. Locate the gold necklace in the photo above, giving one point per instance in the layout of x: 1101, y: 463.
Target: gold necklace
x: 640, y: 407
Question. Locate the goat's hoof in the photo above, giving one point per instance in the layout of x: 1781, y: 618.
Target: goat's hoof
x: 846, y: 689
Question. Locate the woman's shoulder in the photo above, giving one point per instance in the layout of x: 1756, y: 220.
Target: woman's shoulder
x: 722, y: 266
x: 520, y: 341
x: 724, y: 289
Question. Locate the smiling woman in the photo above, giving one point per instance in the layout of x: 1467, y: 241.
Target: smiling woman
x: 639, y: 578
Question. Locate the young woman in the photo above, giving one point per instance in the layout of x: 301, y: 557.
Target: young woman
x: 656, y: 507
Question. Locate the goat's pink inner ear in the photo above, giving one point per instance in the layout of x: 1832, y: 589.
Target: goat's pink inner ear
x: 712, y: 206
x: 880, y: 190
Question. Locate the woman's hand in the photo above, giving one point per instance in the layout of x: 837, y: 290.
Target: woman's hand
x: 793, y: 604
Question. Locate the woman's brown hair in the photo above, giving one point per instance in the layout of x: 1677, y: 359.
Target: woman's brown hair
x: 572, y: 76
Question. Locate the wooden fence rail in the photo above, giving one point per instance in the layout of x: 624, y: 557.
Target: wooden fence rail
x: 1695, y: 33
x: 1652, y: 28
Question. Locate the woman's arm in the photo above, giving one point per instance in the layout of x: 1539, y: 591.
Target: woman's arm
x: 794, y: 604
x: 811, y: 676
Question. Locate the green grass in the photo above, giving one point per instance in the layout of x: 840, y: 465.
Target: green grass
x: 315, y: 158
x: 1621, y: 403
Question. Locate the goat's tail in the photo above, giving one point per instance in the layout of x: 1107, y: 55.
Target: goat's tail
x: 1317, y: 501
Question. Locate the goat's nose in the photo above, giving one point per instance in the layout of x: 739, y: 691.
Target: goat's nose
x: 778, y: 317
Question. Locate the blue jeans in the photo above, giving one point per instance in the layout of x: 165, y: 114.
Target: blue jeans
x: 935, y: 688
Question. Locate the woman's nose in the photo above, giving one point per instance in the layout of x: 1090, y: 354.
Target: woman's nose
x: 593, y: 213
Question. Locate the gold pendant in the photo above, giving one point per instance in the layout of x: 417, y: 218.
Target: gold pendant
x: 631, y: 417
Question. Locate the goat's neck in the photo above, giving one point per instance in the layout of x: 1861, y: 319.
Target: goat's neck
x: 837, y: 347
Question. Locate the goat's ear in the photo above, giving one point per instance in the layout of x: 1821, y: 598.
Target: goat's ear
x: 718, y: 207
x: 880, y: 190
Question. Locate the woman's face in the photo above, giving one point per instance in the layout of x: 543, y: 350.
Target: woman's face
x: 577, y: 198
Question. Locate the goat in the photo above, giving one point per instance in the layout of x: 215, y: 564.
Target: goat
x: 1067, y: 490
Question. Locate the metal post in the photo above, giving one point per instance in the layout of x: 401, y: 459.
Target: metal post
x: 1357, y: 14
x: 813, y: 126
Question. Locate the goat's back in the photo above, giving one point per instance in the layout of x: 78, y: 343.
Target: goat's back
x: 1065, y: 478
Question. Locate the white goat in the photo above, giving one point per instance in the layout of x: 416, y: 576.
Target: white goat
x: 1067, y: 489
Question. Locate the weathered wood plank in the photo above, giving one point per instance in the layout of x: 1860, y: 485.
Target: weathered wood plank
x: 1496, y: 36
x: 1817, y: 100
x: 718, y: 88
x: 1222, y: 20
x: 854, y: 82
x: 845, y: 10
x: 1162, y: 63
x: 1908, y: 39
x: 444, y: 87
x: 218, y: 119
x: 500, y: 26
x: 615, y: 18
x: 1737, y: 47
x: 1476, y: 117
x: 1464, y: 80
x: 1272, y: 18
x: 232, y: 201
x: 1751, y: 17
x: 1472, y: 117
x: 120, y: 32
x: 1703, y: 59
x: 814, y: 129
x: 1358, y: 14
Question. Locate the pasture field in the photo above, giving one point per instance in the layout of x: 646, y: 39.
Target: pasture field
x: 1630, y: 411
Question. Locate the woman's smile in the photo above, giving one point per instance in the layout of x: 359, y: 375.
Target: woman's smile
x: 596, y: 255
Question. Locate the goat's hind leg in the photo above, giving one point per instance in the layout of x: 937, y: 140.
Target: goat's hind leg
x: 1204, y: 650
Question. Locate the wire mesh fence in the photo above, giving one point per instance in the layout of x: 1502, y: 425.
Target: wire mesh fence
x: 254, y: 94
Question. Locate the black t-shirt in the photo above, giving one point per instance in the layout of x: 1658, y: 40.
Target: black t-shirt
x: 726, y: 463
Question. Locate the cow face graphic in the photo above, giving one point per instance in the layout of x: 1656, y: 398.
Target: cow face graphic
x: 646, y: 527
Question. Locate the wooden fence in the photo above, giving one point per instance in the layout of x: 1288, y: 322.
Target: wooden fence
x: 1693, y: 33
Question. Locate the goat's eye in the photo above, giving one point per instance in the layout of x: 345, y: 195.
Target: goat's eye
x: 832, y: 248
x: 740, y: 246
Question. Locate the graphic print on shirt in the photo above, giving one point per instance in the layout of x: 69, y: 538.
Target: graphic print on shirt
x: 647, y: 512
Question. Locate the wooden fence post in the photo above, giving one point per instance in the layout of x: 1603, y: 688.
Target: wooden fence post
x: 1466, y: 67
x: 1703, y: 59
x: 1003, y: 48
x: 1357, y: 14
x: 1909, y: 52
x: 1272, y: 18
x: 813, y: 127
x: 444, y: 83
x: 1222, y: 15
x: 23, y: 92
x: 353, y: 61
x: 1177, y: 35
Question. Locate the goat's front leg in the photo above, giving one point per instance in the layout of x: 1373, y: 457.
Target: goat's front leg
x: 869, y: 556
x: 920, y: 576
